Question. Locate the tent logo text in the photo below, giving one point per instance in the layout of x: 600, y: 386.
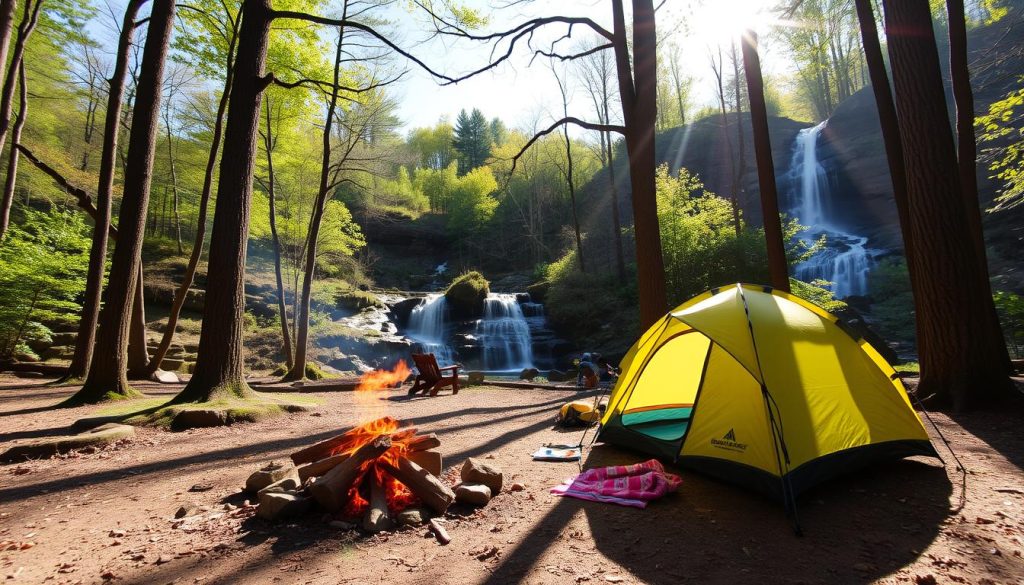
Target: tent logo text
x: 729, y: 443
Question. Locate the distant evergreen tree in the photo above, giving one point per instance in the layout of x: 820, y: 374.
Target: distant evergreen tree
x: 472, y: 140
x: 499, y: 133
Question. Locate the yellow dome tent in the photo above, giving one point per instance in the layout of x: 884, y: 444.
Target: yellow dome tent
x: 760, y: 388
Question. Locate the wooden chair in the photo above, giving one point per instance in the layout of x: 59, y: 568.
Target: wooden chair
x: 431, y: 377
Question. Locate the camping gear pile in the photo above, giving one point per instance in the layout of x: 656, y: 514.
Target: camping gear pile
x: 761, y: 388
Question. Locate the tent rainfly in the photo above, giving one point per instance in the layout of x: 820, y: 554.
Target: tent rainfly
x: 761, y: 388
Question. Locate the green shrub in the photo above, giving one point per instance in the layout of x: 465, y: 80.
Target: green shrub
x: 466, y: 295
x: 893, y: 308
x: 1011, y: 316
x: 817, y: 294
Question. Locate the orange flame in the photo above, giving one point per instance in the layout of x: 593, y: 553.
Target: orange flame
x: 381, y: 379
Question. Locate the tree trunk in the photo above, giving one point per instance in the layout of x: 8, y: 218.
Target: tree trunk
x: 219, y: 368
x: 12, y: 162
x: 108, y: 158
x: 28, y: 23
x: 777, y: 266
x: 108, y: 373
x: 967, y: 152
x: 282, y: 306
x: 886, y: 116
x: 620, y: 259
x: 174, y: 179
x: 204, y: 203
x: 298, y: 370
x: 138, y: 354
x: 7, y: 10
x: 962, y: 360
x: 639, y: 102
x: 741, y: 159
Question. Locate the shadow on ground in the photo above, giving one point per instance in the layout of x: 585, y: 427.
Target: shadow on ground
x: 857, y: 529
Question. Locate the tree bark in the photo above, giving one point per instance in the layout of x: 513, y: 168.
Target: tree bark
x: 7, y: 10
x: 28, y: 24
x: 620, y: 259
x: 108, y: 373
x: 967, y: 152
x: 219, y: 368
x: 777, y: 266
x: 79, y: 367
x: 138, y: 353
x: 741, y: 158
x: 12, y: 161
x: 282, y: 306
x: 962, y: 360
x: 639, y: 101
x: 204, y: 204
x: 886, y: 116
x: 298, y: 369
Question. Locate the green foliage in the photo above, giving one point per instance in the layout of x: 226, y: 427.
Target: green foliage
x: 816, y: 293
x: 43, y: 261
x: 1003, y: 129
x: 466, y: 293
x: 1010, y: 307
x: 472, y: 203
x: 433, y: 147
x: 893, y: 307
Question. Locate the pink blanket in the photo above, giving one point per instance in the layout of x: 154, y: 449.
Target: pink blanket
x: 626, y: 485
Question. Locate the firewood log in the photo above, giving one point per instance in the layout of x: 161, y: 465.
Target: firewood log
x: 429, y: 460
x: 377, y: 517
x: 332, y: 489
x: 421, y: 482
x: 320, y: 467
x: 423, y: 443
x: 324, y: 448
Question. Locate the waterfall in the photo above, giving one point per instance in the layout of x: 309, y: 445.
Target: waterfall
x: 504, y: 334
x: 846, y: 260
x: 427, y: 328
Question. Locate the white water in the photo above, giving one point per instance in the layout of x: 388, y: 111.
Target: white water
x: 846, y: 261
x: 504, y: 334
x: 427, y: 328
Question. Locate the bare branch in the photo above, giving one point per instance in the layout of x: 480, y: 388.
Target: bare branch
x: 556, y: 126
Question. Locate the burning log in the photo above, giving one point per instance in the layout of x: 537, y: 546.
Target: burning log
x: 359, y: 434
x: 423, y: 443
x: 429, y: 460
x: 331, y: 490
x: 321, y: 467
x: 422, y: 483
x: 377, y: 517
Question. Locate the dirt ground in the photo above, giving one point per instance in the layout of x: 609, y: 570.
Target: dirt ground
x: 108, y: 515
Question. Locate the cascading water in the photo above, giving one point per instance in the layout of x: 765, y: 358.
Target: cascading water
x: 427, y: 328
x: 504, y: 334
x: 846, y: 260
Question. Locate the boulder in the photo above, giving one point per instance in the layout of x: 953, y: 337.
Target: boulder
x: 165, y: 377
x: 474, y: 471
x: 558, y: 376
x: 282, y: 505
x: 413, y: 516
x: 400, y: 311
x: 466, y: 294
x: 528, y: 374
x: 475, y: 377
x: 523, y: 298
x: 198, y: 419
x: 538, y: 291
x: 269, y: 474
x: 475, y: 494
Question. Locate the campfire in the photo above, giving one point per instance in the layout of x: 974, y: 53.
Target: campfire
x: 377, y: 469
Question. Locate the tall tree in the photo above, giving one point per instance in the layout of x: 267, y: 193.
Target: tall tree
x: 227, y: 28
x: 568, y: 171
x: 218, y: 370
x: 777, y: 265
x: 85, y: 340
x: 327, y: 183
x: 29, y: 19
x: 7, y: 10
x: 963, y: 364
x: 107, y: 376
x: 472, y: 140
x: 12, y: 161
x: 269, y: 143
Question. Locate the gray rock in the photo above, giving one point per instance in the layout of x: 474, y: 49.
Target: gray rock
x: 475, y: 377
x: 557, y: 376
x: 528, y: 374
x: 474, y: 471
x: 165, y: 377
x: 49, y: 446
x: 476, y: 494
x: 413, y: 516
x: 270, y: 473
x: 286, y: 484
x: 281, y: 505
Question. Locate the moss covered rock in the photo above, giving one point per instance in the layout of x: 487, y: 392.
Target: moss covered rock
x: 466, y: 295
x: 357, y: 300
x: 538, y: 291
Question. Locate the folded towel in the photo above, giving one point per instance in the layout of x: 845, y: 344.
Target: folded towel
x: 625, y: 485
